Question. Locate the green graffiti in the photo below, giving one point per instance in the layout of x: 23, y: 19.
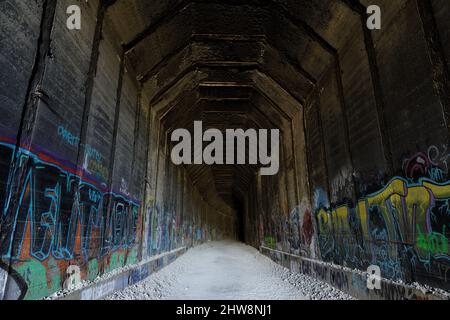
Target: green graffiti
x: 435, y: 243
x: 133, y: 256
x: 93, y: 271
x: 270, y: 242
x: 35, y: 274
x: 116, y: 261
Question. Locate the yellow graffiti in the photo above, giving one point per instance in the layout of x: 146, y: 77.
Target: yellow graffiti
x: 324, y: 221
x: 439, y: 191
x: 98, y: 168
x: 407, y: 207
x: 340, y: 219
x: 363, y: 218
x: 380, y: 200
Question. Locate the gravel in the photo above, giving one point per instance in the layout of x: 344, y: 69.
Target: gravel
x: 228, y: 270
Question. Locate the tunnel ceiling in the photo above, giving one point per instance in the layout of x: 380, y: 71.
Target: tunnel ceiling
x: 90, y: 101
x: 232, y: 64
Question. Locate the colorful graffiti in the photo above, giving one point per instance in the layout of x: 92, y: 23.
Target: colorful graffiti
x: 94, y: 162
x: 403, y: 228
x: 52, y: 218
x: 166, y: 232
x: 12, y: 285
x: 301, y: 230
x: 159, y: 231
x: 432, y: 164
x: 54, y: 205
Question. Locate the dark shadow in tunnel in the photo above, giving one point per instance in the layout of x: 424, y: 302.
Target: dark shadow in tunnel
x: 240, y: 211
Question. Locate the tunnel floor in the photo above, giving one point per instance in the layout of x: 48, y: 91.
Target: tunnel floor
x: 227, y: 270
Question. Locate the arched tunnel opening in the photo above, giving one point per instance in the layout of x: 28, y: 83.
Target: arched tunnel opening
x: 93, y: 92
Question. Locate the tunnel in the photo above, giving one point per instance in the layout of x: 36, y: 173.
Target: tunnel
x: 88, y: 112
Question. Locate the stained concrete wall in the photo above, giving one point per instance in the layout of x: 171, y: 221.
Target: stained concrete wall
x: 377, y: 138
x: 76, y: 144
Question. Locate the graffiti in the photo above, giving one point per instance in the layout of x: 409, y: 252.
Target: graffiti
x: 439, y: 156
x: 359, y: 282
x: 417, y: 166
x: 356, y: 283
x: 313, y: 269
x: 307, y: 227
x: 91, y: 152
x: 58, y: 209
x: 68, y: 137
x: 12, y: 285
x: 389, y: 264
x: 398, y: 292
x: 52, y: 215
x: 165, y: 231
x: 301, y: 230
x: 155, y: 233
x: 432, y: 164
x: 124, y: 187
x: 435, y: 243
x: 270, y: 242
x: 403, y: 224
x: 3, y: 280
x: 444, y: 272
x: 93, y: 162
x: 324, y: 236
x: 339, y: 279
x: 96, y: 168
x: 139, y: 274
x: 294, y: 231
x: 199, y: 234
x: 74, y: 141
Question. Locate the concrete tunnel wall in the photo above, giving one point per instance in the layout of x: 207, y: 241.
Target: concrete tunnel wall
x: 73, y: 193
x: 86, y: 177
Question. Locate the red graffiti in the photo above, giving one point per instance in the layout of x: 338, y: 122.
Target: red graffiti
x: 308, y: 229
x: 417, y: 166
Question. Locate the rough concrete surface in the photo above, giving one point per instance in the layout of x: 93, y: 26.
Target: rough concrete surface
x: 227, y: 270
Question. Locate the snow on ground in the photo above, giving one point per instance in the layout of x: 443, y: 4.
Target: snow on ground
x: 227, y: 270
